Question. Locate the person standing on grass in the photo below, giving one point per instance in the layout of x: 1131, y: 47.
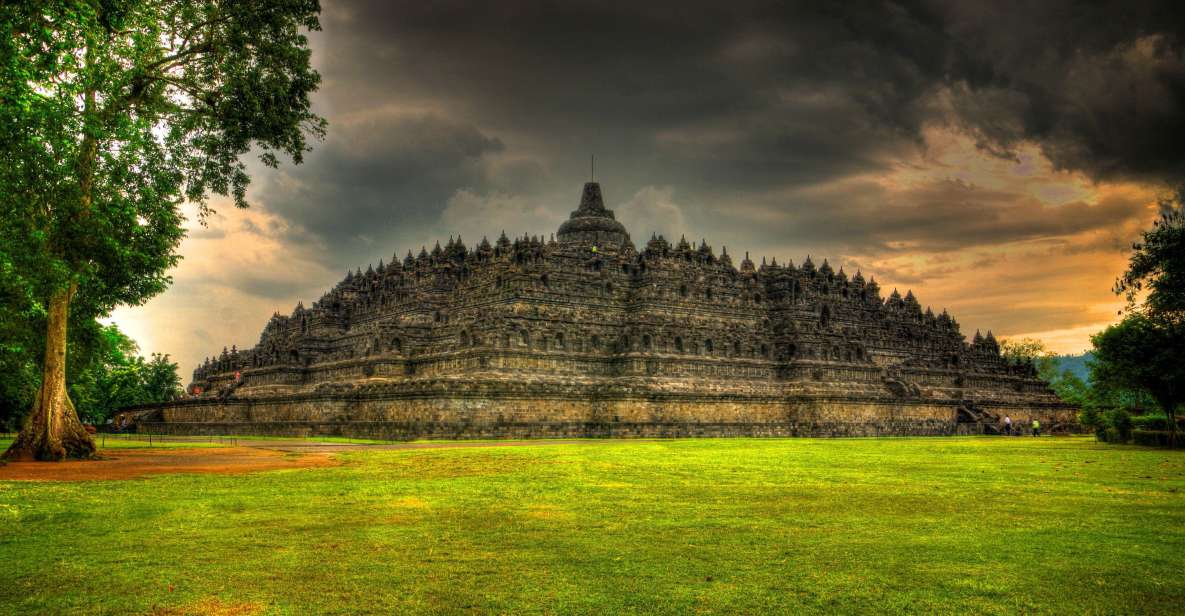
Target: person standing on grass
x: 1008, y: 425
x: 1036, y: 428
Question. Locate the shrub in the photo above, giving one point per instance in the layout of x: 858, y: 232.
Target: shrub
x: 1108, y: 435
x: 1155, y: 438
x: 1118, y: 421
x: 1150, y: 422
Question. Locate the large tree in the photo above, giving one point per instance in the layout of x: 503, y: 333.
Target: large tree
x: 112, y: 113
x: 1143, y: 354
x: 1146, y: 351
x: 18, y: 341
x: 161, y: 379
x: 1023, y: 351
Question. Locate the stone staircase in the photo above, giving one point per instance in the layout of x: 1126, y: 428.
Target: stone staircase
x: 969, y: 414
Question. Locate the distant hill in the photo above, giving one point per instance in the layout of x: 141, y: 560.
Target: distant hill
x: 1075, y: 364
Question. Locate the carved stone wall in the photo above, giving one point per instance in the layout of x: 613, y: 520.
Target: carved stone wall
x: 584, y: 334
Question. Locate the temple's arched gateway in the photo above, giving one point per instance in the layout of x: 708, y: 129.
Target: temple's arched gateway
x: 585, y: 334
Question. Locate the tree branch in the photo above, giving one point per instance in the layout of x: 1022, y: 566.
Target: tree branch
x: 166, y: 61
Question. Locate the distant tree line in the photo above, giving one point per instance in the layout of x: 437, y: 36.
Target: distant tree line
x: 1114, y: 412
x: 1136, y: 384
x: 105, y: 373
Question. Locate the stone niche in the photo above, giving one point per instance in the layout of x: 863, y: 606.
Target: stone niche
x: 587, y: 334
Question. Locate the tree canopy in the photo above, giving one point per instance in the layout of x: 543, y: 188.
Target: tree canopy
x: 1145, y: 352
x: 1018, y: 351
x: 1158, y: 263
x: 105, y: 374
x: 112, y: 113
x: 117, y: 376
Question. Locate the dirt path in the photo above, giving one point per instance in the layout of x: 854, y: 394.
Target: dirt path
x: 136, y: 463
x: 248, y: 456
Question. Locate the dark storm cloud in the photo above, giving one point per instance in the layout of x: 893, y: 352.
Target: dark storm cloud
x: 805, y: 92
x: 777, y: 127
x: 723, y: 101
x: 379, y: 174
x: 1101, y: 86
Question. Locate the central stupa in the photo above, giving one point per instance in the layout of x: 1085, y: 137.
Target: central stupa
x: 588, y: 335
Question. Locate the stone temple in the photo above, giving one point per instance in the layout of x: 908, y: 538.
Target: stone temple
x: 587, y: 334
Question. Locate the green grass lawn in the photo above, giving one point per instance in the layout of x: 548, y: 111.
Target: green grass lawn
x: 348, y: 440
x: 951, y: 525
x: 311, y: 439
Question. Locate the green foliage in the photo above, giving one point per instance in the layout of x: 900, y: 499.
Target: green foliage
x: 1077, y: 364
x: 1090, y: 417
x: 1136, y: 401
x: 1065, y: 382
x: 1118, y: 425
x: 1158, y: 263
x: 106, y: 373
x: 111, y: 115
x: 161, y: 380
x: 1156, y: 438
x: 22, y: 344
x: 1070, y: 388
x: 1018, y: 351
x: 1069, y: 377
x: 22, y: 320
x: 1151, y: 421
x: 17, y: 386
x: 117, y: 377
x: 113, y: 112
x: 1140, y: 361
x: 1143, y: 354
x: 1107, y: 434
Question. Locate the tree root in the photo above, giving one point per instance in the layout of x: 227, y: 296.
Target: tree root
x: 52, y: 431
x: 36, y: 441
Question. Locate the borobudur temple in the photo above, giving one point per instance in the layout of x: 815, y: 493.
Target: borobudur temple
x: 585, y: 334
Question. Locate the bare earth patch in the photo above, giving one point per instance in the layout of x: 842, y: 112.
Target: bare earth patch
x: 135, y: 463
x: 211, y: 607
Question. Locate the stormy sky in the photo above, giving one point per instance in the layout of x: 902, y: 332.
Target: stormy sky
x: 998, y: 159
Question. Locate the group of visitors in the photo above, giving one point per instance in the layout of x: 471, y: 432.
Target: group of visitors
x: 1008, y: 427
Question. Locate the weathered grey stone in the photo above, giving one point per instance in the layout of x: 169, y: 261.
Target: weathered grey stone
x: 585, y: 335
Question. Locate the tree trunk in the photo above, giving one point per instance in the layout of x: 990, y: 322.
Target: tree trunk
x: 1169, y: 404
x: 52, y: 430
